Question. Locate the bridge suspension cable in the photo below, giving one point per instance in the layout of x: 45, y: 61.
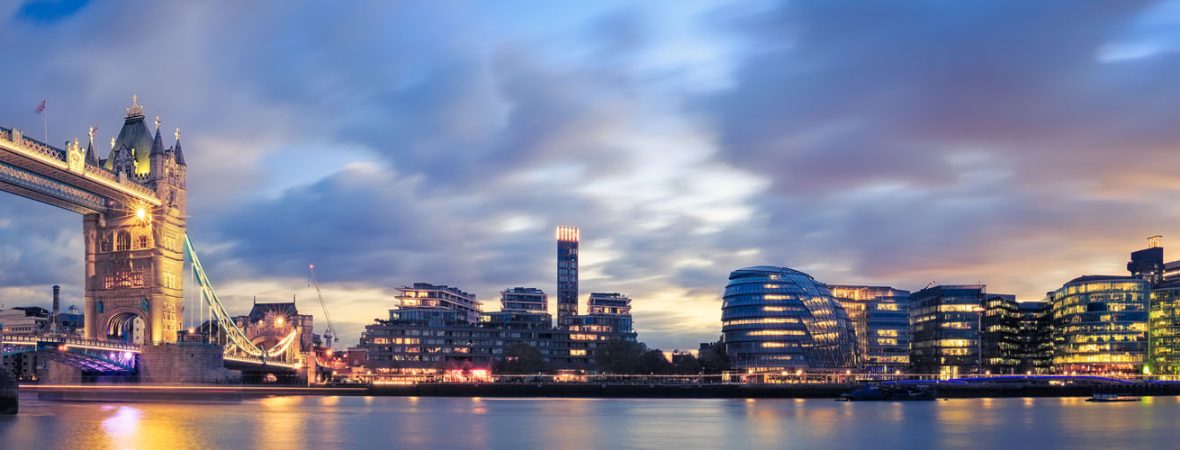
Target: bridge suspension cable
x: 236, y: 340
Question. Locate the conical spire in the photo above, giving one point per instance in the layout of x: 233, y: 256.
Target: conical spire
x: 179, y: 155
x: 91, y: 155
x: 157, y: 142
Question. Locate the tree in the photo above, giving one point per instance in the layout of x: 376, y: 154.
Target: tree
x: 619, y: 356
x: 654, y: 362
x: 713, y: 358
x: 520, y: 358
x: 685, y: 363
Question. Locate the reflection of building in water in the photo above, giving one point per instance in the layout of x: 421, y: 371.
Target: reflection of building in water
x: 268, y: 324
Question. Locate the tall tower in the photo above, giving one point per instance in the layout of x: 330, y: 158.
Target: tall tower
x: 567, y: 275
x: 135, y: 252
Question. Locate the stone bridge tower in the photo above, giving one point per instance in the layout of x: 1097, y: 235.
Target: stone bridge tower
x: 135, y: 252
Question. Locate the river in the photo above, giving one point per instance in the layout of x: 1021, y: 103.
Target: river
x: 493, y: 423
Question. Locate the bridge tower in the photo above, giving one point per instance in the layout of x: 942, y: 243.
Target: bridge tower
x: 135, y: 251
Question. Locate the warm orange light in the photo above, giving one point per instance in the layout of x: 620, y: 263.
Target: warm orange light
x: 279, y: 322
x: 140, y: 213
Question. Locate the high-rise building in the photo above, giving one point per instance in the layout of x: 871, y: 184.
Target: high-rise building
x: 422, y: 300
x: 1148, y: 264
x: 1164, y: 353
x: 881, y: 318
x: 944, y: 327
x: 567, y: 275
x: 776, y: 319
x: 521, y: 299
x: 1100, y: 325
x: 1000, y: 335
x: 1035, y: 338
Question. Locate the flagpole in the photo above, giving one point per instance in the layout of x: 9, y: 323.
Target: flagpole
x: 45, y: 117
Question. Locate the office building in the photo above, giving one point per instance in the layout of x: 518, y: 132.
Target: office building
x: 1100, y: 325
x: 1000, y: 336
x: 880, y: 315
x: 777, y: 319
x: 1164, y: 339
x: 1148, y: 264
x: 1035, y: 338
x: 944, y: 330
x: 567, y: 275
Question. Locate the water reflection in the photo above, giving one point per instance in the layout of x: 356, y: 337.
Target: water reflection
x: 492, y: 423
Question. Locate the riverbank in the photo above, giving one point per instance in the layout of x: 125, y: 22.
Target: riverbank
x: 151, y: 393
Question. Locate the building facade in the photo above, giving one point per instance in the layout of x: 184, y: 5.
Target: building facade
x: 1000, y: 339
x: 1100, y: 325
x: 421, y: 298
x: 1164, y: 325
x: 880, y: 315
x: 944, y: 327
x: 521, y: 299
x: 135, y: 258
x: 775, y: 319
x: 1035, y: 338
x: 567, y: 275
x: 430, y: 338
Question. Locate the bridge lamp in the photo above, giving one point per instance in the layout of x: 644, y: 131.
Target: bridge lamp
x: 279, y: 322
x: 140, y: 213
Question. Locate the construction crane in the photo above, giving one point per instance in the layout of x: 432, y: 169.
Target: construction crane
x: 330, y: 333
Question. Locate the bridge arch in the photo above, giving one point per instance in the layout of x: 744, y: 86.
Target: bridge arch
x: 126, y: 326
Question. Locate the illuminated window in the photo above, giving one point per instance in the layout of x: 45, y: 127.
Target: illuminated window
x: 123, y: 242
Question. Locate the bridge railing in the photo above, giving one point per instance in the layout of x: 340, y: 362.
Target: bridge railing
x: 33, y: 339
x: 37, y: 148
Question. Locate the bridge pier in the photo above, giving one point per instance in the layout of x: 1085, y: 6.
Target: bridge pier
x: 185, y: 363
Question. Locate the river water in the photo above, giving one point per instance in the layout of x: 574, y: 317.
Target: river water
x: 491, y: 423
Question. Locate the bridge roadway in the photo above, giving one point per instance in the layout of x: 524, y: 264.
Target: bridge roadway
x: 111, y: 357
x: 63, y: 178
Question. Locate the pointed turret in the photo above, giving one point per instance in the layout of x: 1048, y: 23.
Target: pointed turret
x: 177, y: 153
x: 91, y: 155
x: 157, y: 142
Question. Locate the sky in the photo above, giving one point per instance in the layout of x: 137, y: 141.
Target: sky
x: 1013, y: 143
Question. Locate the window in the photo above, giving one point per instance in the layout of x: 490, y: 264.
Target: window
x: 123, y: 242
x: 143, y: 241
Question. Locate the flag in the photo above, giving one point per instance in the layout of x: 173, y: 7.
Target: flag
x: 41, y: 107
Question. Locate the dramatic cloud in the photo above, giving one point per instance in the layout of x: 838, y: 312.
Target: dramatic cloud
x: 1014, y: 143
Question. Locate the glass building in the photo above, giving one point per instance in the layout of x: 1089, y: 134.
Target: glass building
x: 1035, y: 338
x: 1100, y: 325
x: 880, y: 315
x: 1000, y: 335
x: 944, y: 327
x: 567, y: 275
x: 776, y: 319
x: 1164, y: 342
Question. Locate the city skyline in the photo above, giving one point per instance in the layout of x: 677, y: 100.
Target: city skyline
x: 393, y: 153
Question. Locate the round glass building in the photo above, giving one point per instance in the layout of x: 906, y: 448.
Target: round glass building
x: 777, y: 319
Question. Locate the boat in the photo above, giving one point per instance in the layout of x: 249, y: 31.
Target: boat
x: 890, y: 394
x: 1108, y: 398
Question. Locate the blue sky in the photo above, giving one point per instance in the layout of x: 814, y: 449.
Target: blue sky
x: 1008, y: 142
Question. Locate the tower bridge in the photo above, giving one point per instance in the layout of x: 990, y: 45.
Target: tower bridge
x: 133, y: 206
